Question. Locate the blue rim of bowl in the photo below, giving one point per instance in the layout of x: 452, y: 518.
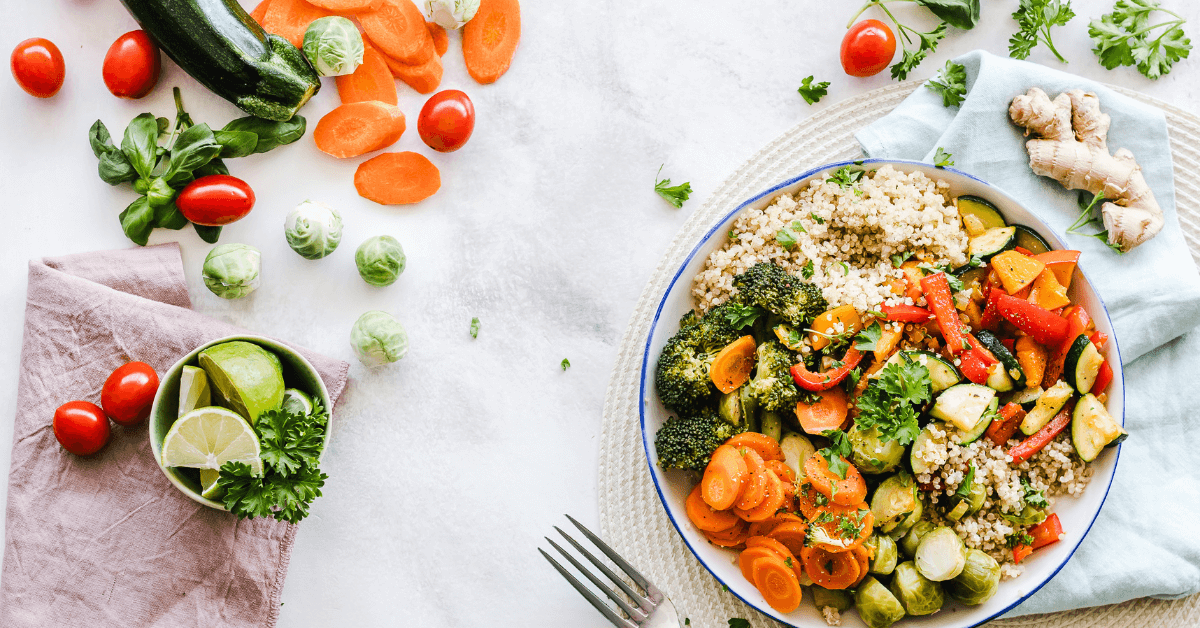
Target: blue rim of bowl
x: 708, y: 236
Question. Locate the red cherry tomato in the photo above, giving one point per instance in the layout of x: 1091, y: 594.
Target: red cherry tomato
x: 38, y: 67
x: 132, y: 65
x: 446, y: 121
x: 81, y: 427
x: 129, y: 392
x: 867, y: 48
x: 215, y: 200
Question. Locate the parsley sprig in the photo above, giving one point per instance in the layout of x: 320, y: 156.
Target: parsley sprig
x: 838, y: 450
x: 964, y: 487
x: 868, y: 339
x: 1034, y: 20
x: 741, y: 316
x: 675, y: 195
x: 951, y: 83
x: 1126, y: 37
x: 813, y: 92
x: 941, y: 158
x: 846, y: 176
x: 892, y: 402
x: 1034, y: 497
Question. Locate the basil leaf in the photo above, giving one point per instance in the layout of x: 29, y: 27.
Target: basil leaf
x: 100, y: 140
x: 115, y: 169
x: 160, y: 193
x: 193, y: 148
x: 208, y: 234
x: 168, y: 216
x: 164, y: 127
x: 236, y: 143
x: 141, y: 143
x: 962, y: 14
x: 271, y: 134
x: 215, y: 166
x: 138, y: 221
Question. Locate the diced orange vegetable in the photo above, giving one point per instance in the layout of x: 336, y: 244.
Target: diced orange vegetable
x: 731, y: 368
x: 826, y: 414
x: 490, y: 39
x: 1062, y: 263
x: 260, y: 11
x: 888, y: 341
x: 441, y: 41
x: 1032, y: 358
x: 827, y: 324
x: 1015, y: 270
x: 397, y: 178
x: 1048, y: 292
x: 912, y: 279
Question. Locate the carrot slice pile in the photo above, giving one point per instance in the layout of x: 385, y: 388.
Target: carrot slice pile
x: 766, y: 446
x: 397, y: 178
x: 347, y: 6
x: 756, y: 486
x: 441, y: 41
x: 359, y: 128
x: 260, y: 11
x: 398, y: 29
x: 733, y: 537
x: 791, y: 534
x: 705, y: 517
x: 727, y: 473
x: 424, y: 78
x: 766, y: 526
x: 370, y: 81
x: 490, y: 39
x: 290, y: 18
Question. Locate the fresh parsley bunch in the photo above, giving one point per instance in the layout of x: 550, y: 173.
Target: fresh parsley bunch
x: 290, y: 445
x: 1126, y: 37
x: 951, y: 83
x: 1034, y: 19
x: 962, y: 14
x: 893, y: 400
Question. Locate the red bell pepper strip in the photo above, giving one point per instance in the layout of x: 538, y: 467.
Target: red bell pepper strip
x: 1041, y: 324
x: 1046, y: 532
x: 937, y: 294
x: 1103, y: 378
x: 999, y: 432
x: 1038, y: 441
x: 905, y: 313
x: 1078, y: 322
x: 1023, y: 251
x: 973, y: 366
x: 816, y: 382
x: 988, y: 357
x: 1099, y: 339
x: 1008, y: 344
x: 1020, y: 552
x: 991, y: 317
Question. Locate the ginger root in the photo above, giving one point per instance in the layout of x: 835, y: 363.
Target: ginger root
x: 1070, y: 146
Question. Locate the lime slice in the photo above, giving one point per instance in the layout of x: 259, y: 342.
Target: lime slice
x: 208, y: 484
x: 194, y: 391
x: 208, y: 438
x: 245, y: 375
x: 295, y: 401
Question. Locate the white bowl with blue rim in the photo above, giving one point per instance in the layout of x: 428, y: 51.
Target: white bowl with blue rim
x: 1076, y: 513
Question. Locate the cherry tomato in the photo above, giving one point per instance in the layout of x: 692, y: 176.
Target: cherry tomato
x: 446, y: 121
x: 81, y: 427
x: 38, y: 67
x: 867, y: 48
x: 132, y: 65
x: 215, y: 200
x: 129, y: 392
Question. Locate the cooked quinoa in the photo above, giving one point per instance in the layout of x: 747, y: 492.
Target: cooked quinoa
x: 849, y: 234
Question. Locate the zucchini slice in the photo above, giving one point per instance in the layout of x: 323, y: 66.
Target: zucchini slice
x: 1029, y: 240
x: 963, y: 405
x: 983, y: 211
x: 1048, y: 405
x: 1026, y: 396
x: 969, y: 436
x: 998, y: 378
x: 942, y: 373
x: 1082, y: 364
x: 993, y: 241
x: 993, y: 344
x: 1093, y: 428
x: 894, y: 500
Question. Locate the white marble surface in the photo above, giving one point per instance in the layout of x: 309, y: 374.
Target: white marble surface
x: 447, y: 468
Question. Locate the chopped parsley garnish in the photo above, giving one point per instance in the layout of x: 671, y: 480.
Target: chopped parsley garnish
x: 941, y: 158
x: 846, y: 176
x: 845, y: 269
x: 741, y: 316
x: 1034, y: 497
x: 1018, y: 538
x: 869, y: 339
x: 675, y: 195
x: 813, y: 92
x: 475, y: 327
x: 839, y: 448
x: 964, y: 488
x: 807, y: 271
x: 892, y: 401
x: 817, y: 219
x: 852, y: 378
x: 898, y: 259
x: 787, y: 237
x: 565, y: 364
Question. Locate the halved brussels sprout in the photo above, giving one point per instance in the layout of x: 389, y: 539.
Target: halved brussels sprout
x: 911, y: 520
x: 959, y: 506
x: 836, y: 598
x: 1029, y: 516
x: 941, y: 554
x: 232, y: 271
x: 877, y: 607
x: 451, y: 14
x: 978, y: 581
x: 918, y: 594
x: 378, y: 338
x: 730, y: 407
x: 886, y: 554
x: 873, y: 454
x: 893, y: 500
x: 333, y: 46
x: 313, y: 230
x: 912, y: 540
x: 380, y: 260
x: 796, y: 451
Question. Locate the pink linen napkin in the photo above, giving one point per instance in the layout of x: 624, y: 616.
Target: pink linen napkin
x: 106, y: 540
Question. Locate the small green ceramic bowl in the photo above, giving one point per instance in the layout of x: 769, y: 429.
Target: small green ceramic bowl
x: 297, y: 373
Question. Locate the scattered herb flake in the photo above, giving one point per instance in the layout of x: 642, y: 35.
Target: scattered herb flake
x: 869, y: 339
x: 951, y: 83
x: 813, y: 92
x: 964, y: 488
x: 807, y: 271
x: 475, y: 327
x: 741, y: 316
x: 565, y: 364
x: 941, y: 158
x: 675, y: 195
x: 898, y: 259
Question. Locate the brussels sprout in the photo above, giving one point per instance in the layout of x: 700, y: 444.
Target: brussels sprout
x: 893, y: 500
x: 941, y: 554
x: 918, y: 594
x: 872, y: 454
x: 378, y: 338
x: 877, y: 607
x: 451, y: 14
x: 886, y: 554
x: 911, y: 520
x: 313, y: 230
x: 959, y: 506
x: 978, y: 581
x: 771, y: 424
x: 232, y: 271
x: 333, y: 46
x: 730, y: 407
x: 380, y: 260
x: 796, y: 451
x: 1029, y: 516
x: 835, y: 598
x: 910, y: 542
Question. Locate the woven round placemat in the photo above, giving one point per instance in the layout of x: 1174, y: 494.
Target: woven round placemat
x: 631, y: 517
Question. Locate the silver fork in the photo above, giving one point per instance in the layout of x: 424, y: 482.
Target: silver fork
x: 654, y: 610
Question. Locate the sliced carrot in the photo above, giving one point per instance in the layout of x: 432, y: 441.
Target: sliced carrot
x: 809, y: 500
x: 441, y: 41
x: 851, y: 490
x: 832, y: 571
x: 863, y: 556
x: 791, y: 534
x: 755, y: 488
x: 827, y: 414
x: 772, y: 500
x: 731, y: 368
x: 781, y: 469
x: 724, y: 477
x: 359, y: 128
x: 764, y: 527
x: 425, y: 78
x: 749, y: 555
x: 490, y: 39
x: 370, y: 81
x: 290, y: 18
x: 771, y: 544
x: 705, y: 517
x: 840, y: 522
x: 260, y: 11
x: 346, y: 6
x: 398, y: 29
x: 397, y: 178
x: 778, y: 584
x: 766, y: 446
x: 733, y: 537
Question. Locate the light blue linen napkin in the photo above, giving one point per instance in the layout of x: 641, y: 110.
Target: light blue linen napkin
x: 1145, y: 541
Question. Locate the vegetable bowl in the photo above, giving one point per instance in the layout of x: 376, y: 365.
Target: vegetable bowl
x: 949, y: 227
x: 299, y: 377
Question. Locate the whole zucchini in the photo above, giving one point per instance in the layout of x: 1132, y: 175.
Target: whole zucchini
x: 221, y: 46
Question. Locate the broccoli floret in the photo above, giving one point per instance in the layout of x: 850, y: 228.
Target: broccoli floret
x: 772, y: 384
x: 682, y: 376
x: 687, y: 442
x: 772, y: 288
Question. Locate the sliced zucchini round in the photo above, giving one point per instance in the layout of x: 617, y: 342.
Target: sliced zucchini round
x: 969, y: 436
x: 1082, y: 364
x: 1093, y: 428
x: 983, y: 211
x: 1029, y: 240
x: 963, y: 405
x: 998, y: 378
x: 993, y: 344
x: 991, y: 242
x: 942, y: 373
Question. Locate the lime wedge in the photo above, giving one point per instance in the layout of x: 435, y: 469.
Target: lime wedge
x: 245, y: 375
x: 297, y: 402
x: 208, y: 484
x: 194, y: 391
x: 208, y: 438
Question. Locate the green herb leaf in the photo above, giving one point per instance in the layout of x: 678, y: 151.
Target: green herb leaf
x: 868, y: 339
x: 675, y: 195
x: 192, y: 149
x: 1034, y: 20
x: 137, y: 221
x: 168, y: 216
x: 898, y: 259
x: 817, y: 219
x: 114, y: 168
x: 813, y: 92
x: 100, y: 140
x: 807, y: 270
x: 941, y: 158
x: 159, y: 193
x: 846, y: 176
x: 962, y: 14
x: 140, y: 144
x: 270, y: 133
x: 912, y: 58
x: 951, y: 83
x: 1126, y: 37
x: 565, y: 364
x: 838, y: 449
x: 741, y: 316
x: 893, y: 399
x: 208, y: 234
x: 235, y: 143
x: 1034, y: 497
x: 474, y: 327
x: 964, y: 487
